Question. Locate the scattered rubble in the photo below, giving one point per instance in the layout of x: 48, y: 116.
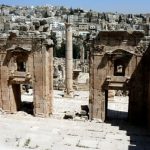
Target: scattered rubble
x: 82, y: 115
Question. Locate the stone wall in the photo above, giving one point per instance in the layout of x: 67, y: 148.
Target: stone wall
x: 146, y: 85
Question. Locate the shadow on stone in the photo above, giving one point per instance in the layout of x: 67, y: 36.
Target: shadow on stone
x: 27, y: 107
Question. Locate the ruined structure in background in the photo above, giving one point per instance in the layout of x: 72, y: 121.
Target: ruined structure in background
x: 80, y: 74
x: 116, y: 63
x: 26, y: 59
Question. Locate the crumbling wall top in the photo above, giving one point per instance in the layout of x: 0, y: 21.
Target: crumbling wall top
x: 28, y: 42
x: 120, y: 33
x: 130, y: 41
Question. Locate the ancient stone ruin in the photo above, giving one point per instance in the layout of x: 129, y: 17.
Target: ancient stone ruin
x: 119, y: 61
x: 26, y: 59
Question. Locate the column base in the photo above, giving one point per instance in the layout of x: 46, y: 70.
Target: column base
x: 42, y: 109
x: 69, y: 94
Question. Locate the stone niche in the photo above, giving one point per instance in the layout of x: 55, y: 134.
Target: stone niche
x: 26, y: 60
x: 116, y: 64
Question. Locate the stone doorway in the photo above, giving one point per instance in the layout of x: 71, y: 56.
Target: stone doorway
x: 23, y: 95
x: 26, y: 60
x: 117, y: 104
x: 118, y: 60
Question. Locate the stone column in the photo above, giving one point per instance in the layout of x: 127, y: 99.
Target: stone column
x: 69, y: 62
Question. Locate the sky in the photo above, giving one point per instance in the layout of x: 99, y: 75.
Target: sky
x: 121, y: 6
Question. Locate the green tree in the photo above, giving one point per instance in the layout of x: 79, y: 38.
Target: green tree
x: 61, y: 51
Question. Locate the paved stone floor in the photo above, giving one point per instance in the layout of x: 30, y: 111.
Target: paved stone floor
x: 26, y: 132
x: 21, y: 131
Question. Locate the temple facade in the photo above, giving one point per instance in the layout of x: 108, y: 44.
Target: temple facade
x: 118, y: 61
x: 26, y: 60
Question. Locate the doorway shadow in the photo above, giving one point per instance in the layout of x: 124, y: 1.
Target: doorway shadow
x: 27, y: 107
x: 116, y: 115
x: 22, y: 105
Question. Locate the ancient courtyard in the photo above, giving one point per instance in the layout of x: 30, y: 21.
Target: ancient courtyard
x: 74, y: 79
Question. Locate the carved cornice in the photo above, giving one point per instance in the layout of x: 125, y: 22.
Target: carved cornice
x: 18, y: 48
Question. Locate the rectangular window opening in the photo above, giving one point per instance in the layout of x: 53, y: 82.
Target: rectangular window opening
x: 21, y: 66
